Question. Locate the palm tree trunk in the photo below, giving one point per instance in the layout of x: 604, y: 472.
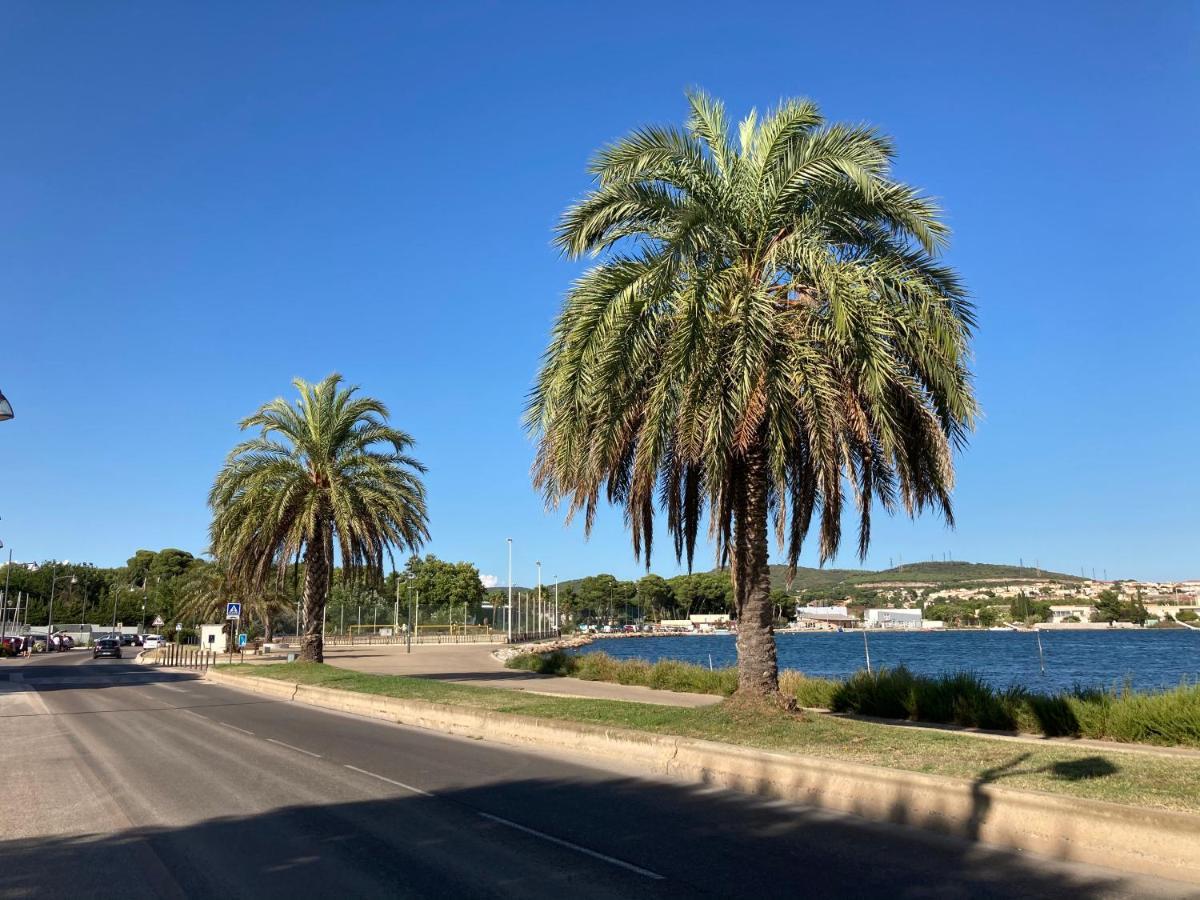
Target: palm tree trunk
x: 316, y: 592
x: 758, y: 668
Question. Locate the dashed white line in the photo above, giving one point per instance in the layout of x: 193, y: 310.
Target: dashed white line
x: 611, y: 860
x: 235, y: 728
x: 291, y: 747
x: 399, y: 784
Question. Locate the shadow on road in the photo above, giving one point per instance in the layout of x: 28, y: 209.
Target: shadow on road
x: 703, y: 843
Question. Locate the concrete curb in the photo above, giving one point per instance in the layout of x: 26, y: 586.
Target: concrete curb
x: 1153, y: 842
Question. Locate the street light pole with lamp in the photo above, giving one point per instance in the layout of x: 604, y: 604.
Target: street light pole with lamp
x: 6, y: 410
x: 538, y: 603
x: 509, y: 616
x: 50, y: 617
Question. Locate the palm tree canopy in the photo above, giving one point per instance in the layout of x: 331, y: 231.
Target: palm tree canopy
x: 771, y: 290
x: 325, y: 468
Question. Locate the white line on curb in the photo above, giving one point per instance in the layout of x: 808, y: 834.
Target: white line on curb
x: 399, y: 784
x: 291, y: 747
x: 612, y: 860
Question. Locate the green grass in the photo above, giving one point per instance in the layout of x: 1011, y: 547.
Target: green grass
x: 1130, y: 778
x: 1167, y: 718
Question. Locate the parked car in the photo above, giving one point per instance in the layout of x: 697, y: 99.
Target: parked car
x: 126, y: 640
x: 152, y: 641
x: 107, y: 647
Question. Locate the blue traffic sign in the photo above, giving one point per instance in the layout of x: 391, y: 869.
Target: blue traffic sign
x: 233, y: 610
x: 242, y: 639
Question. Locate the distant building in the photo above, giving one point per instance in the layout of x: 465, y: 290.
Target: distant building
x: 894, y: 618
x: 1062, y: 613
x: 825, y: 617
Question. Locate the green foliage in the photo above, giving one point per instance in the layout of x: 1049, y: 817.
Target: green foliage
x: 1187, y: 615
x: 444, y: 588
x: 1109, y: 607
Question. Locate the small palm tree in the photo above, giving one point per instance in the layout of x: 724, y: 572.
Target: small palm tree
x: 768, y: 332
x: 207, y: 587
x: 324, y: 472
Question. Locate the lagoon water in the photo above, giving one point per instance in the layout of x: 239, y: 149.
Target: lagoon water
x: 1145, y: 659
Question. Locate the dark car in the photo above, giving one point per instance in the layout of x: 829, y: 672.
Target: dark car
x: 127, y: 640
x: 107, y: 647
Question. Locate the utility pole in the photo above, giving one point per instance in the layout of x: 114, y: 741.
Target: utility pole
x: 4, y: 609
x: 557, y: 621
x: 509, y: 616
x: 541, y: 617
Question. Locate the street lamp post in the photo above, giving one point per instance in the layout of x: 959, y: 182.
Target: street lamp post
x: 509, y: 616
x: 4, y: 609
x: 557, y: 621
x: 538, y: 603
x: 50, y: 617
x: 410, y: 613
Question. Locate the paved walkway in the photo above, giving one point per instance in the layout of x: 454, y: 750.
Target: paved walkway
x: 473, y: 664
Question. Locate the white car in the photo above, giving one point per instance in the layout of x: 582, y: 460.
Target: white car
x: 152, y: 641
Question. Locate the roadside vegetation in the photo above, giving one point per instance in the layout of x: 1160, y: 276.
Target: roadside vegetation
x: 1166, y: 718
x: 1139, y: 779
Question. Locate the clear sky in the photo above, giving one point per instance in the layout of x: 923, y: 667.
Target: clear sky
x: 200, y: 201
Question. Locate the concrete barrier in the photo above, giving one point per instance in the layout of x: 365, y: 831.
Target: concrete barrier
x: 1148, y: 841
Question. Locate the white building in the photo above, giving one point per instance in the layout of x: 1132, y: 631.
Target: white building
x: 893, y: 618
x: 1062, y: 613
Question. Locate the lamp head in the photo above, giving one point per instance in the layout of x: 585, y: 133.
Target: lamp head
x: 6, y: 410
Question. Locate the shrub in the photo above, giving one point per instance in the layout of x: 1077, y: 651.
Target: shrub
x: 1169, y: 718
x: 815, y: 693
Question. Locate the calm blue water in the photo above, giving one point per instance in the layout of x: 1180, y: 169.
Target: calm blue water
x: 1148, y: 660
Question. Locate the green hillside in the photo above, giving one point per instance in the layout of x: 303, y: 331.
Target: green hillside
x: 833, y: 581
x: 936, y: 574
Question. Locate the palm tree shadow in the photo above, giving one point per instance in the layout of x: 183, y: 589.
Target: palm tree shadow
x: 1083, y: 769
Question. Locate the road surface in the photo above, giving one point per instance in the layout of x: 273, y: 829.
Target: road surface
x: 126, y: 781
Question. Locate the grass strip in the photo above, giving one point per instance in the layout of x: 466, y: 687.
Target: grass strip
x: 1132, y: 779
x: 1165, y: 718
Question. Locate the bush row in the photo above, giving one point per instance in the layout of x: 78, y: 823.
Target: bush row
x: 1166, y: 717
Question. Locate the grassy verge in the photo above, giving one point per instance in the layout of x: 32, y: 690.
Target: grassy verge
x: 1166, y: 718
x: 1135, y: 779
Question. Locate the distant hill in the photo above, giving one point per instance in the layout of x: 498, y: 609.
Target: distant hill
x: 933, y: 574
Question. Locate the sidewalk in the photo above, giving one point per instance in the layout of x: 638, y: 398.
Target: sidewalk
x: 473, y: 664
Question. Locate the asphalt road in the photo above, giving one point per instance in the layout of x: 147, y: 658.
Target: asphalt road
x: 124, y: 781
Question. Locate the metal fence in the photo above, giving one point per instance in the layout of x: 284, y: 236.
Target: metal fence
x: 183, y: 656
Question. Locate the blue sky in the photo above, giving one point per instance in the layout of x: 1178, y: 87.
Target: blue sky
x: 199, y: 202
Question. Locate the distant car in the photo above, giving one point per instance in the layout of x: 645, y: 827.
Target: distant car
x: 607, y: 629
x: 67, y: 642
x: 127, y: 640
x: 137, y: 640
x: 107, y: 647
x: 152, y: 641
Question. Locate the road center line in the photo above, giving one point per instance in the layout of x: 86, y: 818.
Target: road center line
x: 291, y: 747
x: 611, y: 860
x: 399, y: 784
x: 235, y: 728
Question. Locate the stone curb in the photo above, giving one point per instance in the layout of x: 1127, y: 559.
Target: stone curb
x: 1147, y: 841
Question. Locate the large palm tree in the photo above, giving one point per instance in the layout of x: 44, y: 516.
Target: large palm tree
x: 768, y: 332
x: 324, y: 472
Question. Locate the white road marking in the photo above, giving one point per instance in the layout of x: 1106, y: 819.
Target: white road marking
x: 171, y: 687
x: 611, y: 860
x: 399, y: 784
x: 235, y: 728
x: 291, y: 747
